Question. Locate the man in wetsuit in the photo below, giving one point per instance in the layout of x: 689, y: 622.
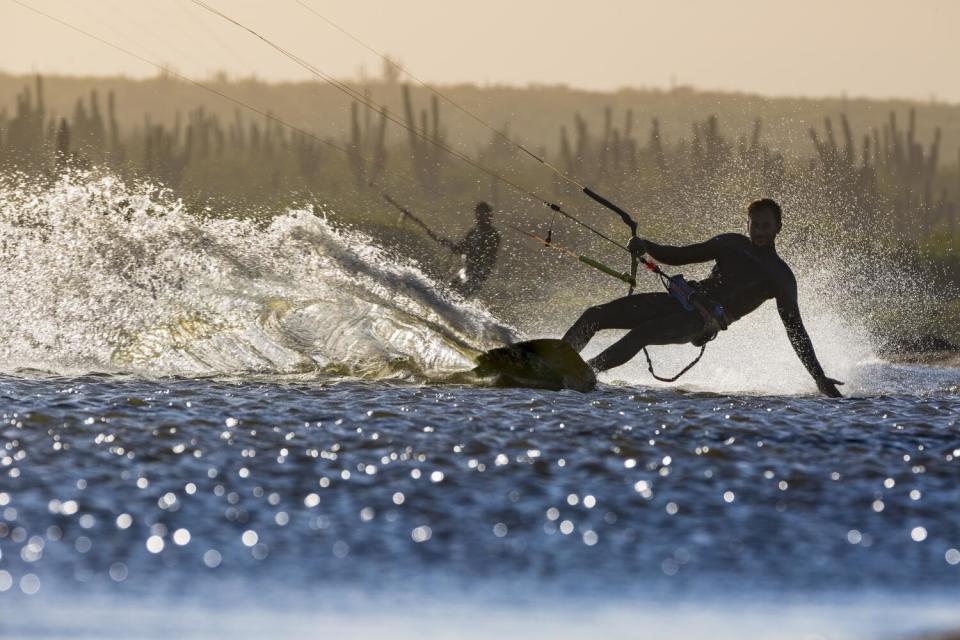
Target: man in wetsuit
x: 479, y: 250
x: 747, y: 272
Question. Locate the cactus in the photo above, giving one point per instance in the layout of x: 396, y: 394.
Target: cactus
x: 357, y: 164
x: 380, y: 147
x: 115, y: 146
x: 656, y: 145
x: 63, y: 155
x: 368, y: 145
x: 97, y: 130
x: 426, y: 138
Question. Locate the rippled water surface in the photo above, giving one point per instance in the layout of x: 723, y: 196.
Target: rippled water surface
x: 190, y: 490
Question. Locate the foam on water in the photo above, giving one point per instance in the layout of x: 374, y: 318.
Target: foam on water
x: 103, y: 276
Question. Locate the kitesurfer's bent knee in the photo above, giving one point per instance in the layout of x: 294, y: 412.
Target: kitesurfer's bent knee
x: 676, y: 327
x: 623, y: 350
x: 584, y: 328
x: 628, y: 312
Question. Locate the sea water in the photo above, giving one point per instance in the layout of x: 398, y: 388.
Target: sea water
x: 216, y: 429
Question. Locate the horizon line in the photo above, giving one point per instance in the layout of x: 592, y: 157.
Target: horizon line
x: 225, y: 77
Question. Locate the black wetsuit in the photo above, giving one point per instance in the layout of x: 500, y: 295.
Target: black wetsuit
x: 743, y: 277
x: 479, y: 248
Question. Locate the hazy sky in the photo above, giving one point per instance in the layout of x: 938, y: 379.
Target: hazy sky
x: 881, y: 48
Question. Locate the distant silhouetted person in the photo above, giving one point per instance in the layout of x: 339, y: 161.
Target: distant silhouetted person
x: 479, y: 250
x: 747, y: 271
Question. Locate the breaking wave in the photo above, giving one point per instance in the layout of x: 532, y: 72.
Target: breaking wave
x: 105, y: 276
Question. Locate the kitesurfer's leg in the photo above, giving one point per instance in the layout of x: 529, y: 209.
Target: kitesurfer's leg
x: 579, y: 334
x: 675, y: 327
x: 628, y: 312
x: 623, y: 350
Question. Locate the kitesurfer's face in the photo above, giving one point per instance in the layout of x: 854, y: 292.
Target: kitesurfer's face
x: 763, y: 227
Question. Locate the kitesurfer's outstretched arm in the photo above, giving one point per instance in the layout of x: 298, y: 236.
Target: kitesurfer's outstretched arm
x: 800, y: 341
x: 459, y: 247
x: 449, y: 244
x: 690, y: 254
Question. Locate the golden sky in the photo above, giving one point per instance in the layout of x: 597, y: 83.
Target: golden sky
x: 878, y: 48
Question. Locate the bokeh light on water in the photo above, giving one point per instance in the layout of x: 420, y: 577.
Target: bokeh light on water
x: 168, y: 485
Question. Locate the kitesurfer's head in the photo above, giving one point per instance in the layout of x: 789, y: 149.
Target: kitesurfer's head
x: 764, y: 221
x: 484, y: 213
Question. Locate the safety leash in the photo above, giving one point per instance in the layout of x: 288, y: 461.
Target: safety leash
x: 714, y: 319
x: 682, y: 371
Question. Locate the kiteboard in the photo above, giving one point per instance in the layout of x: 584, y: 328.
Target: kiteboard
x: 537, y: 364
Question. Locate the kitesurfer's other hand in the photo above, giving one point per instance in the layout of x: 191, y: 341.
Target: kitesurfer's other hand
x: 828, y: 387
x: 637, y: 246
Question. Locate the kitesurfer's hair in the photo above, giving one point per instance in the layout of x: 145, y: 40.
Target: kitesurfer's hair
x: 483, y: 207
x: 766, y: 204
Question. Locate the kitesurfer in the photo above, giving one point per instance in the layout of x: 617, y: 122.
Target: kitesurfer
x: 479, y: 250
x: 747, y: 272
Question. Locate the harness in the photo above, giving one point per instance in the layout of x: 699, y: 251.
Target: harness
x: 715, y: 319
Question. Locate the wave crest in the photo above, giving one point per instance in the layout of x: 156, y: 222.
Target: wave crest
x: 102, y: 275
